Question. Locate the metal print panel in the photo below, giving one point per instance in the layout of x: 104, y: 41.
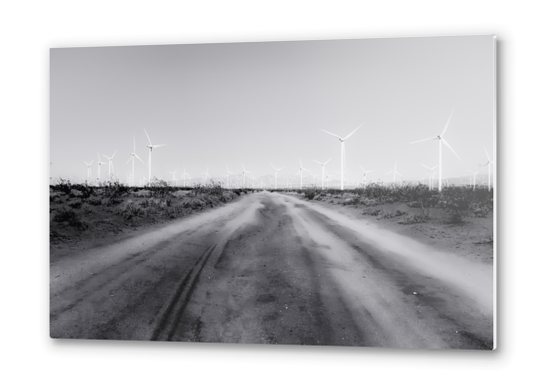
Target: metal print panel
x: 309, y: 193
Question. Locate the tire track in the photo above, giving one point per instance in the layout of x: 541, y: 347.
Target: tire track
x: 173, y: 312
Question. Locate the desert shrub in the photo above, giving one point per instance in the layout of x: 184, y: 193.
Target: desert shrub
x: 413, y: 219
x: 310, y: 193
x: 391, y: 215
x: 114, y: 190
x: 159, y: 188
x: 129, y: 210
x: 75, y: 193
x: 87, y: 208
x: 212, y: 188
x: 55, y: 197
x: 372, y: 212
x: 94, y: 200
x: 63, y: 214
x: 142, y: 193
x: 69, y: 215
x: 76, y: 203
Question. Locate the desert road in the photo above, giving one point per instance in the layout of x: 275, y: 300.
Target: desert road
x: 272, y: 268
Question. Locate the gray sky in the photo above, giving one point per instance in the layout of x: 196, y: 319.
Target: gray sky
x: 256, y: 103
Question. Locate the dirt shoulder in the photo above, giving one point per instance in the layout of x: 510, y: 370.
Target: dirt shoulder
x: 472, y: 240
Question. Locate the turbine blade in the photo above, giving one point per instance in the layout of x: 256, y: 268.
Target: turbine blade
x: 328, y: 160
x: 134, y: 143
x: 451, y: 149
x: 139, y: 158
x: 129, y: 160
x: 147, y: 136
x: 425, y: 166
x: 114, y: 154
x: 317, y: 162
x: 332, y: 134
x: 158, y: 145
x: 487, y: 154
x: 447, y: 123
x: 421, y: 141
x: 351, y: 133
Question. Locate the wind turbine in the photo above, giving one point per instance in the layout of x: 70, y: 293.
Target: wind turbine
x: 110, y: 164
x: 244, y: 174
x: 430, y: 171
x: 323, y: 171
x: 276, y: 173
x: 300, y: 172
x: 89, y: 169
x: 327, y: 179
x: 228, y: 173
x: 184, y: 176
x: 394, y: 173
x: 474, y: 178
x: 441, y: 140
x: 133, y: 156
x: 343, y: 151
x: 174, y: 180
x: 489, y: 165
x: 151, y: 147
x: 365, y: 172
x: 206, y: 175
x: 99, y: 164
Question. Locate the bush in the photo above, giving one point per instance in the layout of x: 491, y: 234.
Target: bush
x: 407, y: 220
x: 69, y: 215
x: 75, y: 203
x: 310, y: 193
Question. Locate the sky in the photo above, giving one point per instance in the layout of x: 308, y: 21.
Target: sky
x: 228, y: 104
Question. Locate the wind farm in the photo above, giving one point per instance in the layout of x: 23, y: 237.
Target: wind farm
x: 225, y: 233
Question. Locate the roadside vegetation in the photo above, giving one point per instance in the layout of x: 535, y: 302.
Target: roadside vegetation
x: 454, y: 204
x: 81, y: 211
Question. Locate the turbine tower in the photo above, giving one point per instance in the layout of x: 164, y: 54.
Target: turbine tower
x: 206, y: 175
x: 184, y: 177
x: 323, y: 171
x: 430, y: 172
x: 99, y: 164
x: 132, y: 158
x: 365, y: 172
x: 110, y: 164
x: 489, y: 165
x: 343, y: 152
x: 441, y: 140
x: 394, y: 173
x: 244, y: 174
x: 474, y: 179
x: 89, y: 169
x: 276, y: 173
x: 173, y: 179
x: 300, y: 173
x: 228, y: 173
x: 151, y: 147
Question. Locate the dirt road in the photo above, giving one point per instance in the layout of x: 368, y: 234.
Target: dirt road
x: 273, y: 268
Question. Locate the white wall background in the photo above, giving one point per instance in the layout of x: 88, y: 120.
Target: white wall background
x: 29, y: 28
